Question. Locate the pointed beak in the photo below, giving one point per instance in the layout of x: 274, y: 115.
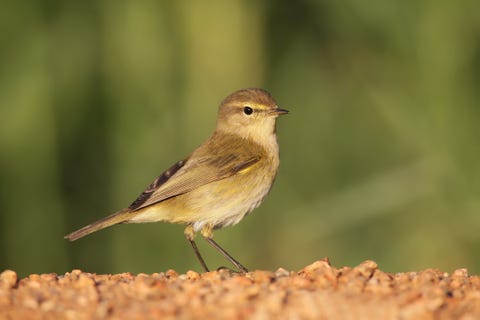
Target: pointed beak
x: 278, y: 112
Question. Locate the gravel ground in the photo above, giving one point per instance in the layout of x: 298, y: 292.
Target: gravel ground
x: 318, y: 291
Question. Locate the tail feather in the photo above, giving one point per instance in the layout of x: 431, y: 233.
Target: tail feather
x: 115, y: 218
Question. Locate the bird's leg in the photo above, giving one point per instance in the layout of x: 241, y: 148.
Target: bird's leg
x: 190, y: 234
x: 207, y: 233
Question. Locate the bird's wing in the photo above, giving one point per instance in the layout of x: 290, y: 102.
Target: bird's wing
x: 194, y: 172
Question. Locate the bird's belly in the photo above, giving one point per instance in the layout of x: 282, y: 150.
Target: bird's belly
x: 225, y: 203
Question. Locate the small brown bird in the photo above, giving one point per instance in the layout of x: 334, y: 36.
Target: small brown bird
x: 223, y: 180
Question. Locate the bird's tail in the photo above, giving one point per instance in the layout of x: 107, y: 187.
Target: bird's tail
x: 115, y: 218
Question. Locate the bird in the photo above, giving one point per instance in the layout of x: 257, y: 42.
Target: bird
x: 220, y: 182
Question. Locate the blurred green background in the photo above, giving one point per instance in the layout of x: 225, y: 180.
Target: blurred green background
x: 380, y: 155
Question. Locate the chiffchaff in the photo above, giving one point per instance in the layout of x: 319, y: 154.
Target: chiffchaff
x: 220, y: 182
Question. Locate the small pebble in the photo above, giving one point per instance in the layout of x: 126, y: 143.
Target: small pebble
x: 8, y: 279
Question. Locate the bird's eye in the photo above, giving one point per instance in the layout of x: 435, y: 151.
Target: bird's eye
x: 247, y: 110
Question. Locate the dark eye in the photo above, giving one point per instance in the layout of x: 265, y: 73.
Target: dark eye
x: 248, y: 110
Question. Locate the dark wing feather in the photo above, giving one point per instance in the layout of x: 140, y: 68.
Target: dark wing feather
x: 156, y: 184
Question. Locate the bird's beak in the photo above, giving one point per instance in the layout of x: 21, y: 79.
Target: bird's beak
x: 278, y: 112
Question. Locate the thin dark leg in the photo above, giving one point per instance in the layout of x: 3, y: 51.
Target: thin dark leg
x: 237, y: 264
x: 199, y: 256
